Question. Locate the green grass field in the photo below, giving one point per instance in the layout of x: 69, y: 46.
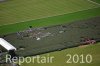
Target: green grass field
x: 21, y: 14
x: 60, y: 56
x: 97, y: 1
x: 16, y: 15
x: 15, y: 11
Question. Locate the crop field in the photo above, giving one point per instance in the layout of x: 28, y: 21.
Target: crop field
x: 61, y: 58
x: 54, y: 38
x: 55, y: 27
x: 17, y: 15
x: 15, y: 11
x: 97, y: 1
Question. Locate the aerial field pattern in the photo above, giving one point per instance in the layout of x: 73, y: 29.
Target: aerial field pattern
x: 61, y: 57
x: 54, y: 27
x: 17, y: 15
x: 18, y: 11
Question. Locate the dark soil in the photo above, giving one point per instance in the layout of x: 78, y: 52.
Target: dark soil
x: 54, y: 37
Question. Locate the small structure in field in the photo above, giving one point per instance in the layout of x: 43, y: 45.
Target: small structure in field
x: 89, y: 41
x: 6, y: 45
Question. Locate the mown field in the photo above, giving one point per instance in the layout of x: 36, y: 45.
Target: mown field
x: 97, y: 1
x: 14, y: 11
x: 60, y: 56
x: 55, y: 41
x: 39, y: 13
x: 16, y: 15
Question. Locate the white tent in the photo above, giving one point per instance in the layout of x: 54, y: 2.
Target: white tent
x: 6, y: 45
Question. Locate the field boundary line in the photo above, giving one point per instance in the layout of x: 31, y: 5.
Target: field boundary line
x: 48, y: 16
x: 94, y: 2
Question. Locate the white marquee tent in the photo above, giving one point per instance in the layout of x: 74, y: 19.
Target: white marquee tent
x: 6, y: 45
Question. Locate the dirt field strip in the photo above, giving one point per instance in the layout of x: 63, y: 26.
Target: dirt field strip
x: 79, y: 30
